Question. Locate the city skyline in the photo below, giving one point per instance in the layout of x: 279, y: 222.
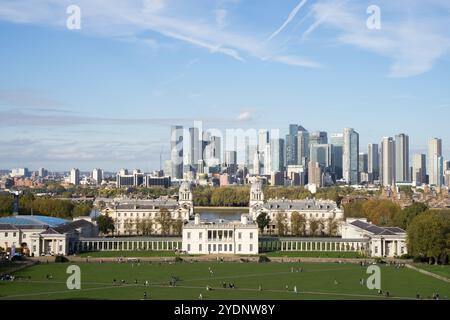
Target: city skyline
x: 106, y: 95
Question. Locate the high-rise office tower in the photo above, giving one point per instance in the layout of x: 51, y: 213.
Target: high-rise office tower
x: 75, y: 176
x: 419, y: 169
x: 322, y: 154
x: 176, y: 146
x: 291, y: 145
x: 337, y: 140
x: 263, y: 141
x: 42, y: 172
x: 231, y: 158
x: 97, y: 176
x: 212, y: 154
x: 277, y: 155
x: 318, y: 137
x: 402, y: 158
x: 302, y: 147
x: 388, y: 161
x: 314, y: 174
x: 363, y: 159
x: 373, y: 162
x: 350, y: 156
x: 194, y: 146
x: 434, y: 161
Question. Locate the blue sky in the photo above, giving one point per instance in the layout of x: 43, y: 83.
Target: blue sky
x: 106, y: 95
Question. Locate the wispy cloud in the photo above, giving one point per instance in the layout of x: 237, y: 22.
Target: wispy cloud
x: 413, y: 44
x: 244, y: 116
x: 290, y: 17
x: 124, y: 19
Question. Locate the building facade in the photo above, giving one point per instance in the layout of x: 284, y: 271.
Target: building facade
x: 221, y: 237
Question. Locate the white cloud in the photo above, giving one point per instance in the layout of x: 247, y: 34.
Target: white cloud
x: 221, y: 15
x: 121, y: 19
x: 244, y: 116
x: 290, y: 17
x: 414, y: 45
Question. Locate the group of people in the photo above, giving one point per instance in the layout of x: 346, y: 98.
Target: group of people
x: 7, y: 277
x: 229, y: 285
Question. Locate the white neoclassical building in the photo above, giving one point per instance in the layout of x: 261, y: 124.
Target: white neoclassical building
x: 221, y: 236
x: 382, y: 241
x: 323, y: 211
x: 127, y: 214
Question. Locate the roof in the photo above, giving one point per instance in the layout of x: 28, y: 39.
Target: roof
x: 5, y: 226
x: 65, y: 228
x: 145, y: 204
x: 307, y: 204
x: 32, y: 221
x: 373, y: 229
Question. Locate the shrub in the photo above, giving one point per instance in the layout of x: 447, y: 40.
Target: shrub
x: 263, y: 259
x: 61, y: 259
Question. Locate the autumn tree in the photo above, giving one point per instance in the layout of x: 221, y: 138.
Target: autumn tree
x: 280, y: 221
x: 165, y: 221
x: 298, y: 224
x: 429, y: 236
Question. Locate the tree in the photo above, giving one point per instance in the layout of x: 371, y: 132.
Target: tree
x: 164, y: 220
x: 313, y: 226
x: 263, y: 221
x: 178, y: 227
x: 332, y: 226
x: 280, y: 221
x: 404, y: 218
x: 298, y: 224
x: 105, y: 224
x: 429, y: 236
x: 128, y: 226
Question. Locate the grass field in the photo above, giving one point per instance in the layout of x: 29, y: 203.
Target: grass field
x: 317, y: 281
x: 442, y: 270
x: 127, y: 254
x: 312, y: 254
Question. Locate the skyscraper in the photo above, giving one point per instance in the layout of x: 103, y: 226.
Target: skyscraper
x: 373, y: 162
x: 337, y: 140
x: 291, y: 145
x: 318, y: 137
x: 388, y: 161
x: 322, y: 153
x: 350, y: 156
x: 363, y: 159
x: 434, y: 155
x: 176, y: 146
x: 314, y: 174
x: 277, y: 155
x: 302, y: 147
x: 194, y: 146
x: 402, y: 158
x: 419, y: 169
x: 75, y: 176
x: 97, y: 176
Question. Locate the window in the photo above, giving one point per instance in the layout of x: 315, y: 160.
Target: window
x: 230, y: 234
x: 251, y: 247
x: 215, y: 248
x: 220, y: 247
x: 188, y: 247
x: 251, y: 235
x: 214, y: 235
x: 118, y: 214
x: 6, y: 234
x: 230, y: 247
x: 14, y: 234
x: 200, y: 249
x: 209, y: 248
x: 24, y: 235
x: 225, y: 247
x: 376, y: 249
x: 189, y: 235
x: 209, y: 235
x: 239, y: 247
x: 239, y: 235
x: 200, y: 235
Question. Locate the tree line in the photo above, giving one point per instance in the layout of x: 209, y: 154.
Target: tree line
x: 28, y: 204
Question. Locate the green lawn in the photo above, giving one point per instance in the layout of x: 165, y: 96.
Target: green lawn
x: 442, y: 270
x: 312, y: 254
x: 127, y: 254
x: 317, y: 281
